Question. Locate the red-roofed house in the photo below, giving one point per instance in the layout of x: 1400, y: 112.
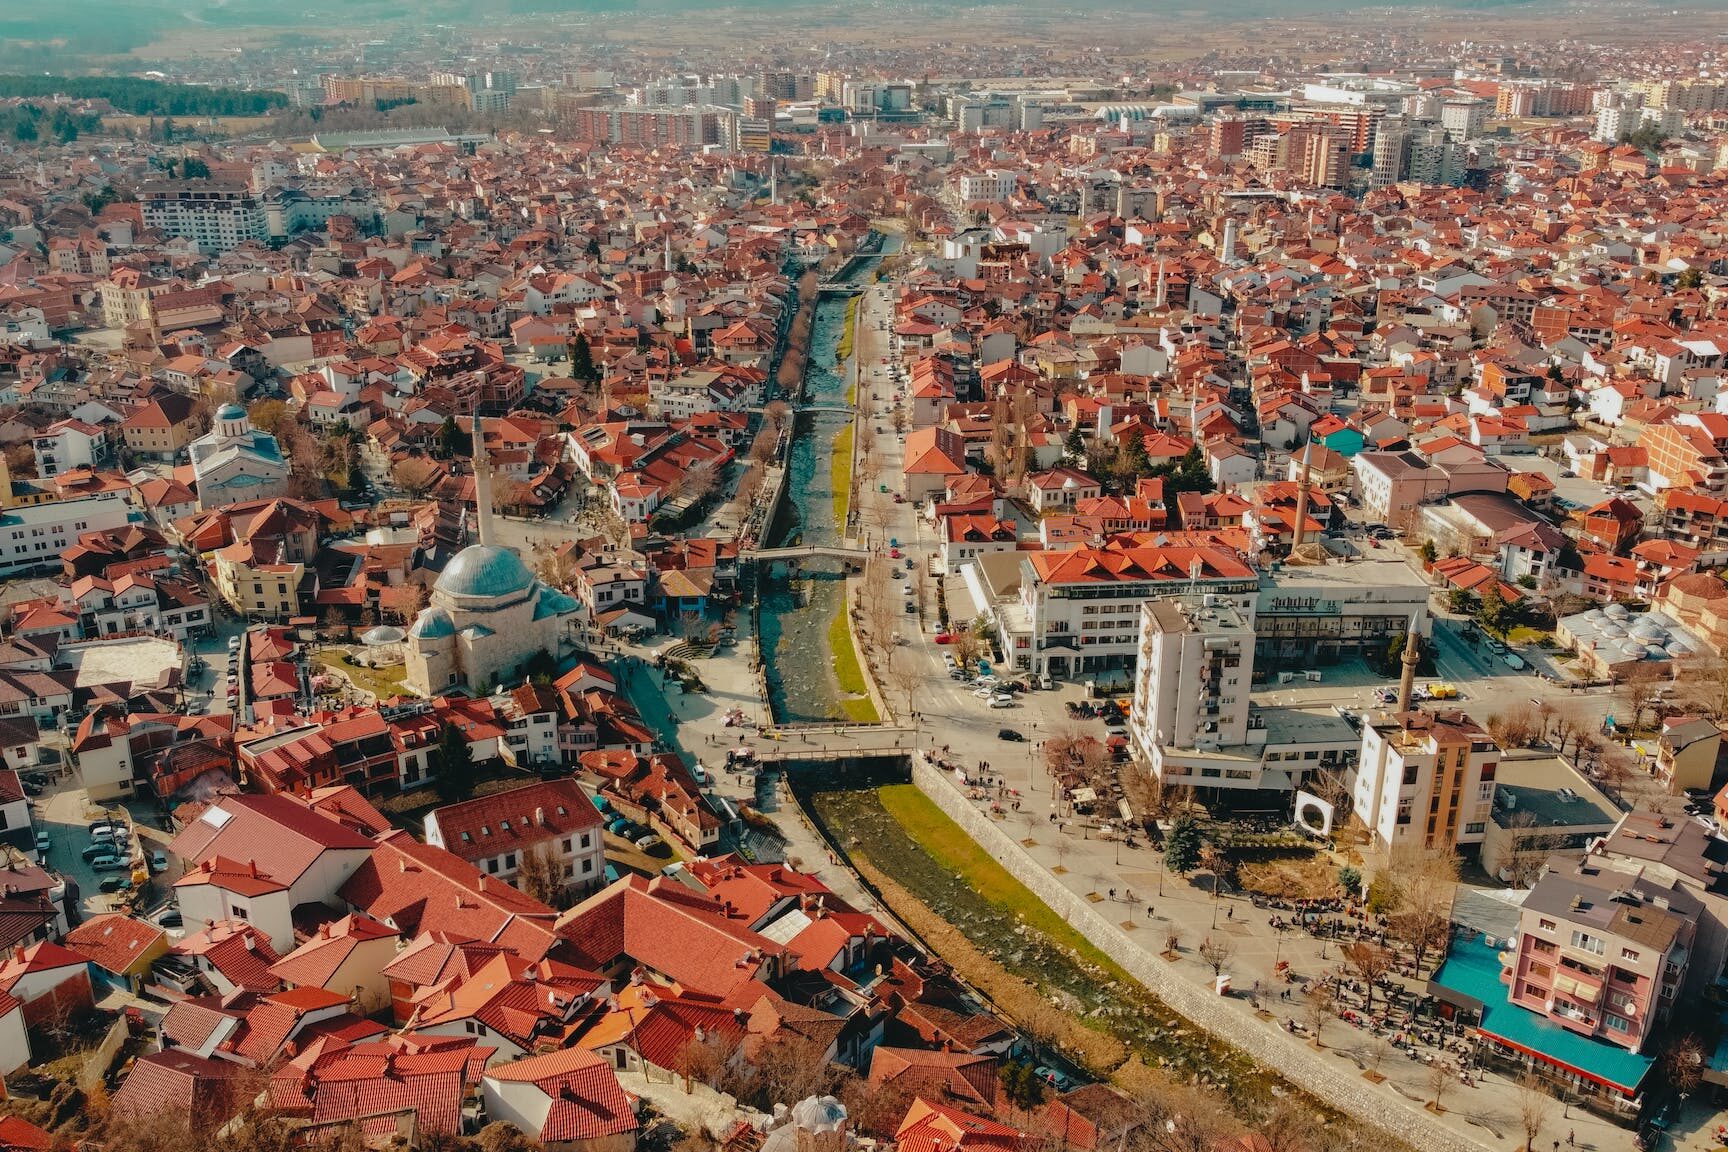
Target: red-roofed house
x: 49, y: 980
x: 494, y: 833
x: 402, y: 1082
x: 347, y: 956
x: 181, y: 1084
x: 569, y: 1101
x: 939, y: 1128
x: 120, y: 949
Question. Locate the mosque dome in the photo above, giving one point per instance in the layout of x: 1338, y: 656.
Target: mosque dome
x: 483, y: 571
x: 432, y: 624
x: 230, y: 411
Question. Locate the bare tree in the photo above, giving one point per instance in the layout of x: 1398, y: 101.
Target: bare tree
x: 540, y: 877
x: 1216, y: 952
x: 1518, y: 727
x: 1530, y: 850
x: 1319, y: 1005
x: 1426, y: 880
x: 1535, y: 1109
x: 1369, y: 961
x: 1439, y: 1079
x: 1639, y: 688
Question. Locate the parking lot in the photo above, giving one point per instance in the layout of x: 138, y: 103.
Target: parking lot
x: 64, y: 818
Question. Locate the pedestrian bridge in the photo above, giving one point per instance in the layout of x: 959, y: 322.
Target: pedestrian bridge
x: 845, y: 743
x: 804, y: 551
x: 841, y: 288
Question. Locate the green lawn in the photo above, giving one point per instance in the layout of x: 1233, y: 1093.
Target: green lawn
x: 840, y: 471
x: 1527, y: 635
x: 949, y: 845
x: 849, y: 673
x: 383, y: 683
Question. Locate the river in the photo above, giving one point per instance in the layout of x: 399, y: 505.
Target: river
x: 797, y: 611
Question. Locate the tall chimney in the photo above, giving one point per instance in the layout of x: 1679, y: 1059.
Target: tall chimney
x: 1302, y: 498
x: 1412, y: 655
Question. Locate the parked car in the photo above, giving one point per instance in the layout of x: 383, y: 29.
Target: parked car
x: 911, y: 608
x: 158, y: 862
x: 1002, y: 700
x: 115, y: 883
x: 112, y: 832
x: 944, y: 637
x: 1013, y: 734
x: 644, y: 843
x: 111, y: 864
x: 233, y: 643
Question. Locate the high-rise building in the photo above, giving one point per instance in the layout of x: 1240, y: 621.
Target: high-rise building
x: 216, y: 217
x: 1463, y: 119
x: 1391, y: 151
x: 1228, y: 137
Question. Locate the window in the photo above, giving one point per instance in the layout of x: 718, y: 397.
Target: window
x: 585, y: 840
x: 1585, y: 942
x: 1616, y: 1024
x: 1545, y: 925
x: 1474, y: 829
x: 566, y: 846
x: 510, y: 860
x: 587, y: 866
x: 1628, y: 954
x: 492, y: 865
x: 238, y: 911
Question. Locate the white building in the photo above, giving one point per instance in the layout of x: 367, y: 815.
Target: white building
x: 215, y: 217
x: 1425, y: 778
x: 35, y: 536
x: 991, y: 186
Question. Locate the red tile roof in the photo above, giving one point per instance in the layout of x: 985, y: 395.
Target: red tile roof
x: 113, y: 943
x: 584, y: 1101
x: 515, y: 820
x: 413, y: 885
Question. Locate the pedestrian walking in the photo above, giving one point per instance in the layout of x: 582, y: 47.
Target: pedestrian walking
x: 1571, y: 1139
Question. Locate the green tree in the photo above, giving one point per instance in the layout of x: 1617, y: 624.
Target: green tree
x: 452, y: 440
x: 1429, y: 552
x: 1350, y: 879
x: 1462, y: 601
x: 582, y: 360
x: 454, y: 776
x: 24, y: 130
x: 1075, y: 446
x: 1495, y: 613
x: 192, y: 168
x: 1022, y: 1085
x: 1556, y: 374
x: 1691, y: 278
x: 1182, y: 846
x: 1131, y: 461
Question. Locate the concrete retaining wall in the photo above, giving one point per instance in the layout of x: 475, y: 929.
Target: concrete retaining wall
x: 1328, y: 1078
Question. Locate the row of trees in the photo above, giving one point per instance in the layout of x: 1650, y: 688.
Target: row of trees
x: 146, y: 97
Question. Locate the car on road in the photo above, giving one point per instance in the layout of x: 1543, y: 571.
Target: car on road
x: 911, y: 608
x: 1013, y: 734
x: 1002, y: 700
x: 944, y: 637
x: 1708, y: 823
x: 894, y: 553
x: 644, y: 843
x: 158, y: 862
x: 1496, y: 647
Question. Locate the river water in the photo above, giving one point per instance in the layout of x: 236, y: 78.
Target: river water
x: 797, y: 609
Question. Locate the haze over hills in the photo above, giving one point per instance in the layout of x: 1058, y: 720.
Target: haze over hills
x: 96, y: 27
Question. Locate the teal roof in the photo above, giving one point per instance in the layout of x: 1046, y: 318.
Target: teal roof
x: 432, y: 624
x: 553, y: 603
x: 485, y: 570
x: 1473, y: 969
x: 230, y: 411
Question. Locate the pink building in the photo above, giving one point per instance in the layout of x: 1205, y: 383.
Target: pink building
x: 1602, y: 951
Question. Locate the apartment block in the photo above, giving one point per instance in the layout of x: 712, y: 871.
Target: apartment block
x: 1425, y: 778
x: 215, y: 217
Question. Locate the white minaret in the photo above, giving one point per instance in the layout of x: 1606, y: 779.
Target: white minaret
x: 666, y: 249
x: 773, y: 181
x: 1161, y: 284
x: 1228, y: 248
x: 482, y: 488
